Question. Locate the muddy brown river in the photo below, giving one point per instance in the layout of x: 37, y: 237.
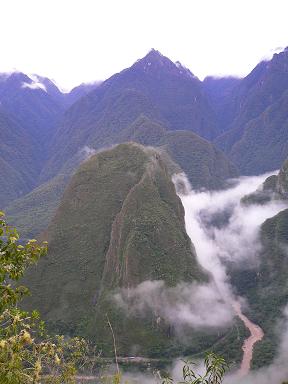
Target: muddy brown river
x: 256, y: 334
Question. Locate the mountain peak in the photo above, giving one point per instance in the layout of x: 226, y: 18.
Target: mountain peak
x: 154, y: 57
x: 154, y: 61
x: 154, y: 54
x: 18, y: 80
x: 279, y: 61
x: 17, y: 77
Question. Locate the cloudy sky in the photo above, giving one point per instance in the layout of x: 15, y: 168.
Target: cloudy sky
x: 73, y: 41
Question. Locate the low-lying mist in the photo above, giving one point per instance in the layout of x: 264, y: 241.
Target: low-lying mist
x: 222, y: 230
x: 198, y: 306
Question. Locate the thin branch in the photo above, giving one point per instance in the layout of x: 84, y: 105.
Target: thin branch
x: 114, y: 343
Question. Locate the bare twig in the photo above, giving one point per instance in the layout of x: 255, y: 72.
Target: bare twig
x: 114, y: 343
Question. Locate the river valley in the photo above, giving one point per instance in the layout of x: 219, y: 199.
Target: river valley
x: 256, y: 334
x: 225, y: 231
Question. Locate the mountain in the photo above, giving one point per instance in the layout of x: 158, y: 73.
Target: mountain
x: 28, y: 119
x: 275, y: 187
x: 247, y: 118
x: 32, y: 212
x: 205, y: 166
x: 219, y: 91
x: 266, y: 286
x: 36, y: 102
x: 119, y: 223
x: 153, y: 86
x: 125, y: 108
x: 28, y: 102
x: 77, y: 92
x: 256, y: 140
x: 31, y: 108
x: 19, y: 166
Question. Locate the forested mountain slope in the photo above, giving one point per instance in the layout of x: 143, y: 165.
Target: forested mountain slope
x: 265, y: 284
x: 206, y: 167
x: 31, y: 109
x: 18, y: 157
x: 119, y: 223
x: 256, y: 138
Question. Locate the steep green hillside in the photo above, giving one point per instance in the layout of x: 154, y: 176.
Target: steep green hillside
x: 220, y: 92
x: 264, y: 143
x: 32, y: 213
x: 256, y: 139
x: 30, y: 111
x: 18, y: 169
x: 205, y: 165
x: 77, y: 92
x: 32, y: 107
x: 95, y: 122
x: 266, y: 285
x: 11, y: 183
x: 29, y: 115
x: 119, y: 223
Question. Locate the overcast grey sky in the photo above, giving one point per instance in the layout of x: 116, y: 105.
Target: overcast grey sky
x: 73, y: 41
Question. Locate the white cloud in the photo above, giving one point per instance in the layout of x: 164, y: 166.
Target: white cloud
x: 207, y: 305
x: 34, y: 84
x: 198, y: 306
x: 237, y: 240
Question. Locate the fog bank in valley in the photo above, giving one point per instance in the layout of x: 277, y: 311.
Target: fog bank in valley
x: 222, y: 230
x: 236, y: 239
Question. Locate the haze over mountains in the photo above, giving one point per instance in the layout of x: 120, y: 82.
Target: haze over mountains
x: 116, y: 221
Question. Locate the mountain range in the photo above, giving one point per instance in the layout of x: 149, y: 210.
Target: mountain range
x: 49, y: 128
x: 91, y: 170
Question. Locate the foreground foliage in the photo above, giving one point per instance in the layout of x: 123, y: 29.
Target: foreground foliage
x: 27, y: 353
x: 215, y: 368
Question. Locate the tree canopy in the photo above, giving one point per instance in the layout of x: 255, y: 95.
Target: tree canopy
x: 27, y: 353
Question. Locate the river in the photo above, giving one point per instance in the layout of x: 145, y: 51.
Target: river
x: 226, y: 232
x: 256, y: 334
x: 218, y: 238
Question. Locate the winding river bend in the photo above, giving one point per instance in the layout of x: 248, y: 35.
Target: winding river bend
x: 256, y: 334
